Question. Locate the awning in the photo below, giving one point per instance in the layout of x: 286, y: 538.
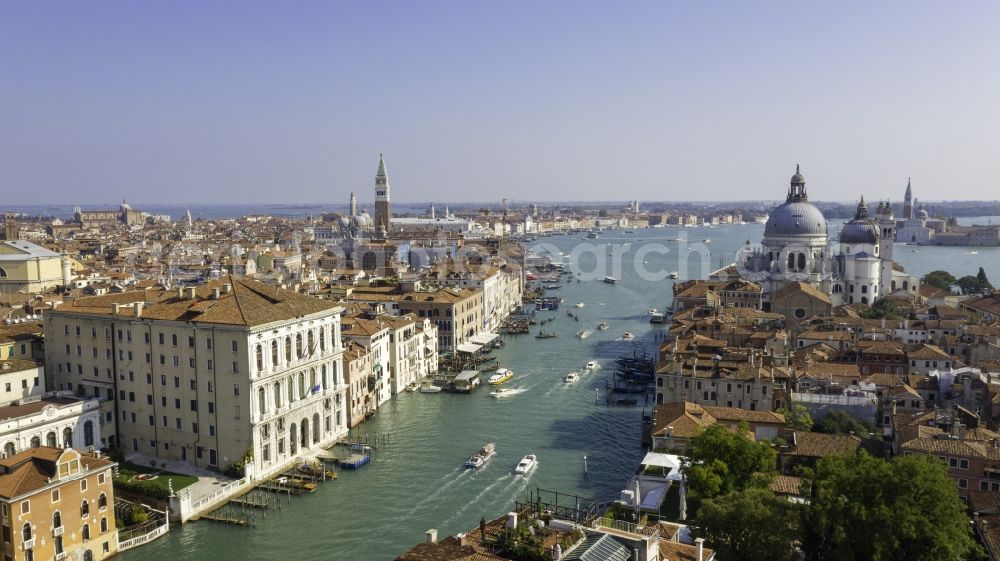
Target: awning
x: 484, y: 338
x: 469, y: 348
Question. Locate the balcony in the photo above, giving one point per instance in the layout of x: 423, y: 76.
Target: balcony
x: 28, y: 544
x: 58, y: 530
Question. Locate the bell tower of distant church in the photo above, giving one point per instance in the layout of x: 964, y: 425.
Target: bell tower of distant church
x: 383, y: 208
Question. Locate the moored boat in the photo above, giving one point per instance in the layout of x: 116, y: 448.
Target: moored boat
x: 610, y: 280
x: 428, y: 387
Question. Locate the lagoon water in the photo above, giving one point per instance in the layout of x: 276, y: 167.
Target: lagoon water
x: 417, y: 482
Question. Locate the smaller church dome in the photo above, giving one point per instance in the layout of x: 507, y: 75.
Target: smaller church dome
x: 860, y: 230
x: 923, y: 214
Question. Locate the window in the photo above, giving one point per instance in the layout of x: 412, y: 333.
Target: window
x: 236, y: 367
x: 85, y: 508
x: 236, y: 346
x: 86, y: 532
x: 102, y: 502
x: 104, y: 525
x: 56, y: 520
x: 963, y: 464
x: 25, y: 507
x: 55, y: 495
x: 26, y: 531
x: 963, y: 483
x: 236, y: 388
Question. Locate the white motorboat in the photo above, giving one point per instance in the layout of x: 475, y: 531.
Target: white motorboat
x: 593, y: 365
x: 526, y: 464
x: 503, y: 392
x: 411, y: 387
x: 628, y: 336
x: 610, y: 280
x: 572, y: 377
x: 429, y: 388
x: 602, y: 326
x: 673, y: 274
x: 578, y: 304
x: 480, y: 458
x: 653, y: 311
x: 583, y: 333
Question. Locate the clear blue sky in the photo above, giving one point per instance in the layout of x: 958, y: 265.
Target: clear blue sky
x: 186, y: 102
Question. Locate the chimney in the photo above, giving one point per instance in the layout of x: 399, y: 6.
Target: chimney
x: 512, y: 520
x: 215, y: 293
x: 138, y: 309
x: 432, y: 535
x: 189, y: 293
x: 180, y: 292
x: 700, y: 544
x: 115, y: 309
x: 227, y: 288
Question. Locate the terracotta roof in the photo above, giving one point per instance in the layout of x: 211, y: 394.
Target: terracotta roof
x: 32, y: 469
x: 786, y: 485
x: 797, y: 287
x: 982, y: 501
x: 928, y: 352
x: 249, y: 303
x: 676, y: 551
x: 33, y: 407
x: 819, y: 445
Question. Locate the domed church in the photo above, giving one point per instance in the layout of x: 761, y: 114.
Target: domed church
x: 796, y: 249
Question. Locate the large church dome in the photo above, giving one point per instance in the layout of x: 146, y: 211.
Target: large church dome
x: 797, y: 216
x: 860, y: 230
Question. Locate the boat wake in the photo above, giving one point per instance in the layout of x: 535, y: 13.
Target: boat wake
x: 441, y: 485
x: 511, y: 393
x: 507, y: 481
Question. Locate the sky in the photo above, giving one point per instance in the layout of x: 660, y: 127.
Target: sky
x: 290, y: 102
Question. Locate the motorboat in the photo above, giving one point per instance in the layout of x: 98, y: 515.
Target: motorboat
x: 429, y: 388
x: 628, y: 336
x: 593, y: 365
x: 544, y: 335
x: 602, y: 326
x: 526, y: 464
x: 501, y: 376
x: 411, y: 387
x: 583, y: 333
x: 610, y: 280
x: 706, y: 240
x: 579, y: 304
x: 673, y: 274
x: 480, y: 458
x: 653, y: 311
x: 503, y: 392
x: 572, y: 377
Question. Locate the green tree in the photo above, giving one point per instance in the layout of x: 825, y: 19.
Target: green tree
x: 882, y: 308
x: 969, y: 285
x: 941, y: 279
x: 721, y: 461
x: 864, y: 507
x: 797, y: 418
x: 749, y: 525
x: 839, y: 422
x: 984, y: 283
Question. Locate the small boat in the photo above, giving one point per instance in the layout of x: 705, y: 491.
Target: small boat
x: 572, y: 377
x: 579, y: 304
x: 411, y: 387
x: 706, y: 240
x: 502, y: 375
x: 503, y: 392
x: 653, y: 311
x: 592, y: 365
x: 610, y: 280
x: 526, y: 464
x: 583, y: 333
x: 429, y: 388
x: 628, y: 336
x: 480, y: 458
x: 602, y: 326
x: 973, y: 253
x: 544, y: 335
x: 673, y: 274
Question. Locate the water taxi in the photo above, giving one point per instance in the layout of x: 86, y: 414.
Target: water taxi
x: 653, y: 311
x: 480, y: 458
x: 427, y: 387
x: 673, y: 274
x: 583, y: 333
x: 526, y: 464
x: 610, y: 280
x: 602, y: 326
x: 411, y: 387
x: 572, y: 377
x: 592, y: 365
x: 579, y: 304
x: 502, y: 375
x: 628, y: 336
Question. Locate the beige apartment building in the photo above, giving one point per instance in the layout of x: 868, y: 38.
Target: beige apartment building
x: 457, y: 313
x: 231, y: 370
x: 57, y: 503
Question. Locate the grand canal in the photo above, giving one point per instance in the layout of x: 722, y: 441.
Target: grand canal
x: 416, y: 482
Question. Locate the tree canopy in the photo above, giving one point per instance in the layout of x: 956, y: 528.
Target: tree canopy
x: 863, y: 507
x: 941, y: 279
x: 721, y: 461
x: 797, y: 418
x: 883, y: 308
x: 839, y: 422
x: 749, y: 525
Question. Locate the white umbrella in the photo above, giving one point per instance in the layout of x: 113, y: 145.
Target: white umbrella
x: 684, y: 505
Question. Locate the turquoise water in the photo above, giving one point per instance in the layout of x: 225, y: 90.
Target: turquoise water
x: 417, y: 482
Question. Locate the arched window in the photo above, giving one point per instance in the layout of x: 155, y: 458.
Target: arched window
x: 291, y: 390
x: 2, y: 273
x: 315, y: 428
x: 67, y: 437
x: 288, y: 350
x: 298, y: 345
x: 102, y: 502
x: 86, y: 533
x: 277, y: 395
x: 312, y: 378
x: 88, y: 555
x: 323, y: 376
x: 791, y: 261
x: 104, y: 525
x: 35, y: 442
x: 312, y: 343
x: 262, y: 401
x: 26, y: 531
x: 88, y: 433
x: 56, y: 519
x: 85, y: 508
x: 8, y: 449
x: 260, y: 357
x: 274, y: 353
x: 802, y: 261
x: 302, y: 384
x: 322, y: 340
x: 50, y: 439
